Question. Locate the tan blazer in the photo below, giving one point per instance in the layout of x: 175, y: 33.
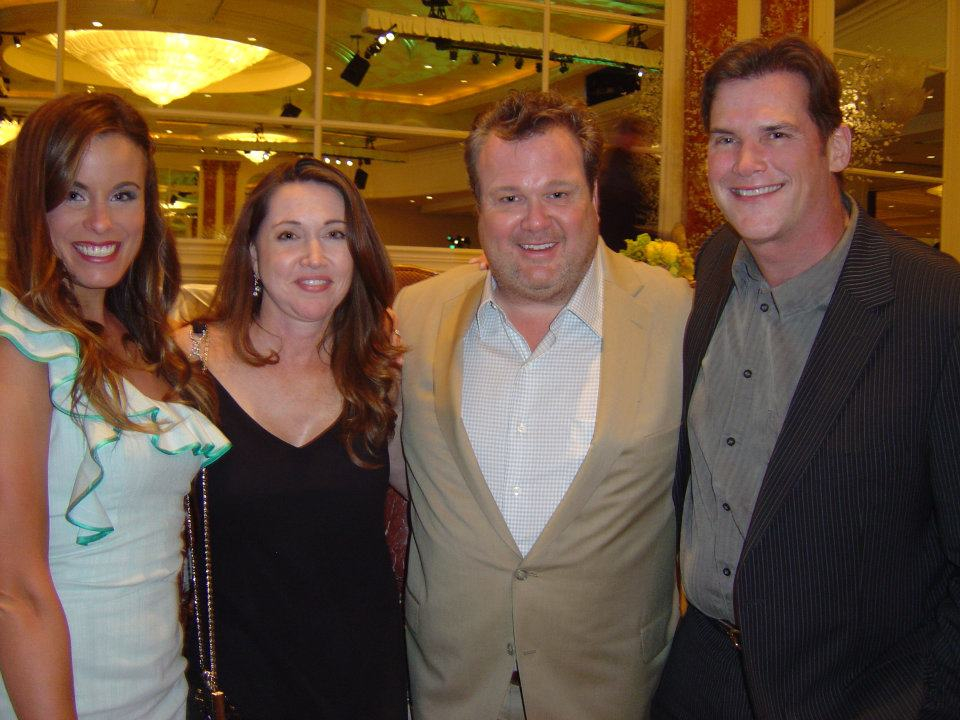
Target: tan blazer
x: 588, y: 615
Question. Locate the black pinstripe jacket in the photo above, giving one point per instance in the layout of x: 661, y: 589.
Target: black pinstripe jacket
x: 848, y: 587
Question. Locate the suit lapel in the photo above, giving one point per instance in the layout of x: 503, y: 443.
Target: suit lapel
x: 714, y: 281
x: 625, y: 340
x: 852, y: 325
x: 455, y: 319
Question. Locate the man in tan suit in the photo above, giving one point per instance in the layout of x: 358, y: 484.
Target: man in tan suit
x: 541, y: 409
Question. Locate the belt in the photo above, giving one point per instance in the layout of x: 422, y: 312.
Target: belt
x: 515, y: 678
x: 731, y: 631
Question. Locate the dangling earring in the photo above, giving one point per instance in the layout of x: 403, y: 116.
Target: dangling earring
x: 257, y: 285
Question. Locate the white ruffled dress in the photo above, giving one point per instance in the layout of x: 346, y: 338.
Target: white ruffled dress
x: 116, y: 514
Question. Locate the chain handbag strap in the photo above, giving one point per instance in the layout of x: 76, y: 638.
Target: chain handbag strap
x: 206, y: 644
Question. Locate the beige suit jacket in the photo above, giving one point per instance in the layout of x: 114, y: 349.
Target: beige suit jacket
x: 588, y: 614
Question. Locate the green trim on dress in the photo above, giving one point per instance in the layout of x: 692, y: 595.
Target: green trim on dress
x: 181, y: 428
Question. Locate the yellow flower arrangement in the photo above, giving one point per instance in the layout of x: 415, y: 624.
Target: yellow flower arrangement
x: 663, y: 253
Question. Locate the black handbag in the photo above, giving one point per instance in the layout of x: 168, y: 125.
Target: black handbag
x: 206, y: 700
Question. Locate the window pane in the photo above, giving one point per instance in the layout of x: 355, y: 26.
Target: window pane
x: 891, y: 65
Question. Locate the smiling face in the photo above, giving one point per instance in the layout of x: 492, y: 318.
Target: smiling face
x: 769, y: 170
x: 302, y: 254
x: 537, y: 216
x: 97, y: 229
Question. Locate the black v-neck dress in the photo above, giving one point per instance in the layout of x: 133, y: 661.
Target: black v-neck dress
x: 307, y: 615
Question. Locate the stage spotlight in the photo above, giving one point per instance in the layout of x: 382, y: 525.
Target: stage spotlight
x: 355, y: 70
x: 360, y: 178
x: 454, y: 55
x: 563, y: 66
x: 16, y: 41
x: 496, y: 60
x: 438, y: 8
x: 539, y: 67
x: 518, y: 63
x: 290, y: 110
x: 475, y: 58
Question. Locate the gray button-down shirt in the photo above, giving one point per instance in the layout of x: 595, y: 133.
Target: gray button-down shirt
x: 744, y: 388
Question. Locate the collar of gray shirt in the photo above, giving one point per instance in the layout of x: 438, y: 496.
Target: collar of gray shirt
x: 811, y: 288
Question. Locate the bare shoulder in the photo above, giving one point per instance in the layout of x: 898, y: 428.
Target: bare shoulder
x: 18, y: 372
x: 24, y: 396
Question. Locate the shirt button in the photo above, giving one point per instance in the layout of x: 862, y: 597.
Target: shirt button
x: 516, y: 490
x: 764, y: 307
x: 748, y: 373
x: 726, y: 571
x: 731, y: 442
x: 522, y: 427
x: 726, y: 506
x: 520, y: 574
x: 510, y: 649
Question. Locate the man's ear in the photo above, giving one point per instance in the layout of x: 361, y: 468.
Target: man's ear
x: 839, y: 147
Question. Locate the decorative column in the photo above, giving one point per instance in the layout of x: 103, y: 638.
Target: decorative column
x: 208, y: 197
x: 784, y: 17
x: 230, y: 169
x: 711, y: 29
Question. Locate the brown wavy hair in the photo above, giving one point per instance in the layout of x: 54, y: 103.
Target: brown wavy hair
x: 46, y: 160
x: 761, y: 56
x: 525, y: 113
x: 362, y: 356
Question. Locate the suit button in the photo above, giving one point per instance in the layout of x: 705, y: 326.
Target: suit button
x: 726, y: 506
x: 748, y: 374
x: 731, y: 442
x: 510, y: 649
x: 726, y: 571
x: 520, y: 574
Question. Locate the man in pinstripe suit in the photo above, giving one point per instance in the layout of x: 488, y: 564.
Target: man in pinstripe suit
x: 818, y: 477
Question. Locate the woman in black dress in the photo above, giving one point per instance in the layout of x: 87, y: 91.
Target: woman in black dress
x: 298, y: 343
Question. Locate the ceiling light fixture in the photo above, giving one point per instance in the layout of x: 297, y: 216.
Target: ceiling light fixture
x: 9, y: 129
x: 475, y: 58
x: 438, y: 8
x: 360, y: 178
x: 518, y: 63
x: 289, y: 110
x: 258, y: 135
x: 496, y: 60
x: 255, y: 156
x: 160, y: 66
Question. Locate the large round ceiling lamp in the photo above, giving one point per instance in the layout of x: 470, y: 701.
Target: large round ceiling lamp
x: 160, y: 66
x: 250, y: 137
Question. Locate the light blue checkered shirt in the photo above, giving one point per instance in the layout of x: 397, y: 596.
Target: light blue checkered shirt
x: 530, y: 415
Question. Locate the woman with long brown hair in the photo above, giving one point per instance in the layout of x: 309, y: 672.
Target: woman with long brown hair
x: 102, y: 431
x: 299, y: 345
